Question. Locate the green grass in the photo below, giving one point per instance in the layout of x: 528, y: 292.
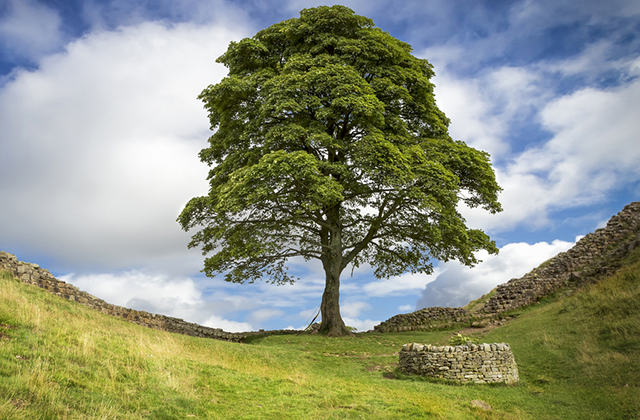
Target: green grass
x: 475, y: 305
x: 578, y: 356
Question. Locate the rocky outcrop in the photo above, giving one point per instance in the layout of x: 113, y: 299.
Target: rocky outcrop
x: 35, y: 275
x: 482, y: 363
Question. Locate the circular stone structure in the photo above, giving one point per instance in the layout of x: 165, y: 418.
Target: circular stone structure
x: 478, y: 363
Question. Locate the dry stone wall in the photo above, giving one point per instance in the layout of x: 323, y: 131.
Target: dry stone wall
x: 598, y: 253
x: 423, y: 319
x: 482, y: 363
x: 35, y: 275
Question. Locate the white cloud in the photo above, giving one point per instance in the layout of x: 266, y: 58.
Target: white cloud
x: 360, y: 325
x: 594, y: 61
x: 516, y: 92
x: 100, y: 143
x: 182, y: 297
x: 405, y: 284
x: 579, y: 147
x: 263, y: 315
x: 289, y: 295
x: 30, y: 29
x: 587, y: 148
x: 457, y: 285
x: 406, y: 308
x: 596, y: 130
x: 592, y: 153
x: 471, y: 113
x: 484, y: 108
x: 156, y: 293
x: 166, y: 295
x: 120, y: 289
x: 353, y: 309
x: 227, y: 325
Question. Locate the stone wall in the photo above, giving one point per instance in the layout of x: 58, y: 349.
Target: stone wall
x: 423, y: 319
x: 597, y: 254
x: 32, y: 274
x: 482, y: 363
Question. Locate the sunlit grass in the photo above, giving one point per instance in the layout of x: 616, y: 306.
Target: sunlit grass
x: 586, y: 346
x: 577, y: 358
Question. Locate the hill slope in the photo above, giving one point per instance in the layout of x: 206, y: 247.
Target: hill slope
x: 577, y: 355
x: 596, y: 255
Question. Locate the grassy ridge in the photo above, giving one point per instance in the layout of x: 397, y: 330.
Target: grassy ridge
x: 578, y: 358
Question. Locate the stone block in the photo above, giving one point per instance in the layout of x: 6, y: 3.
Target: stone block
x: 462, y: 364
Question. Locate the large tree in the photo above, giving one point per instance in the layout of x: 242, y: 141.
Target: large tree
x: 328, y: 145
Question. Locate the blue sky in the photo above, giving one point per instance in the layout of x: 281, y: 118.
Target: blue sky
x: 100, y: 130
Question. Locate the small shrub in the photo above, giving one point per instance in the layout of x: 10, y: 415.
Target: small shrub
x: 461, y: 340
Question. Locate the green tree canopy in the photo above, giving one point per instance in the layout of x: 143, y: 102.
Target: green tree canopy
x: 328, y: 144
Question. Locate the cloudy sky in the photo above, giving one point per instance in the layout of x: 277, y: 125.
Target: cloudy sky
x: 100, y: 130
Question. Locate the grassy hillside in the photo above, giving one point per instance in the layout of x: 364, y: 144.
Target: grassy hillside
x: 579, y: 357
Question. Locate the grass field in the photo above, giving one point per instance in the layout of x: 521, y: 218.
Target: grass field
x: 578, y: 356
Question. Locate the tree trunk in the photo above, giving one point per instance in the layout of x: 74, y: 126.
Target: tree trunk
x: 332, y: 323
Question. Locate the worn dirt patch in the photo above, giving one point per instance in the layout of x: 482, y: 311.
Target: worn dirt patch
x: 491, y: 325
x: 5, y: 327
x: 19, y: 403
x: 386, y: 367
x: 358, y: 355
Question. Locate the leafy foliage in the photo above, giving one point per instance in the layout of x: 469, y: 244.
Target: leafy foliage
x: 461, y: 340
x: 328, y: 144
